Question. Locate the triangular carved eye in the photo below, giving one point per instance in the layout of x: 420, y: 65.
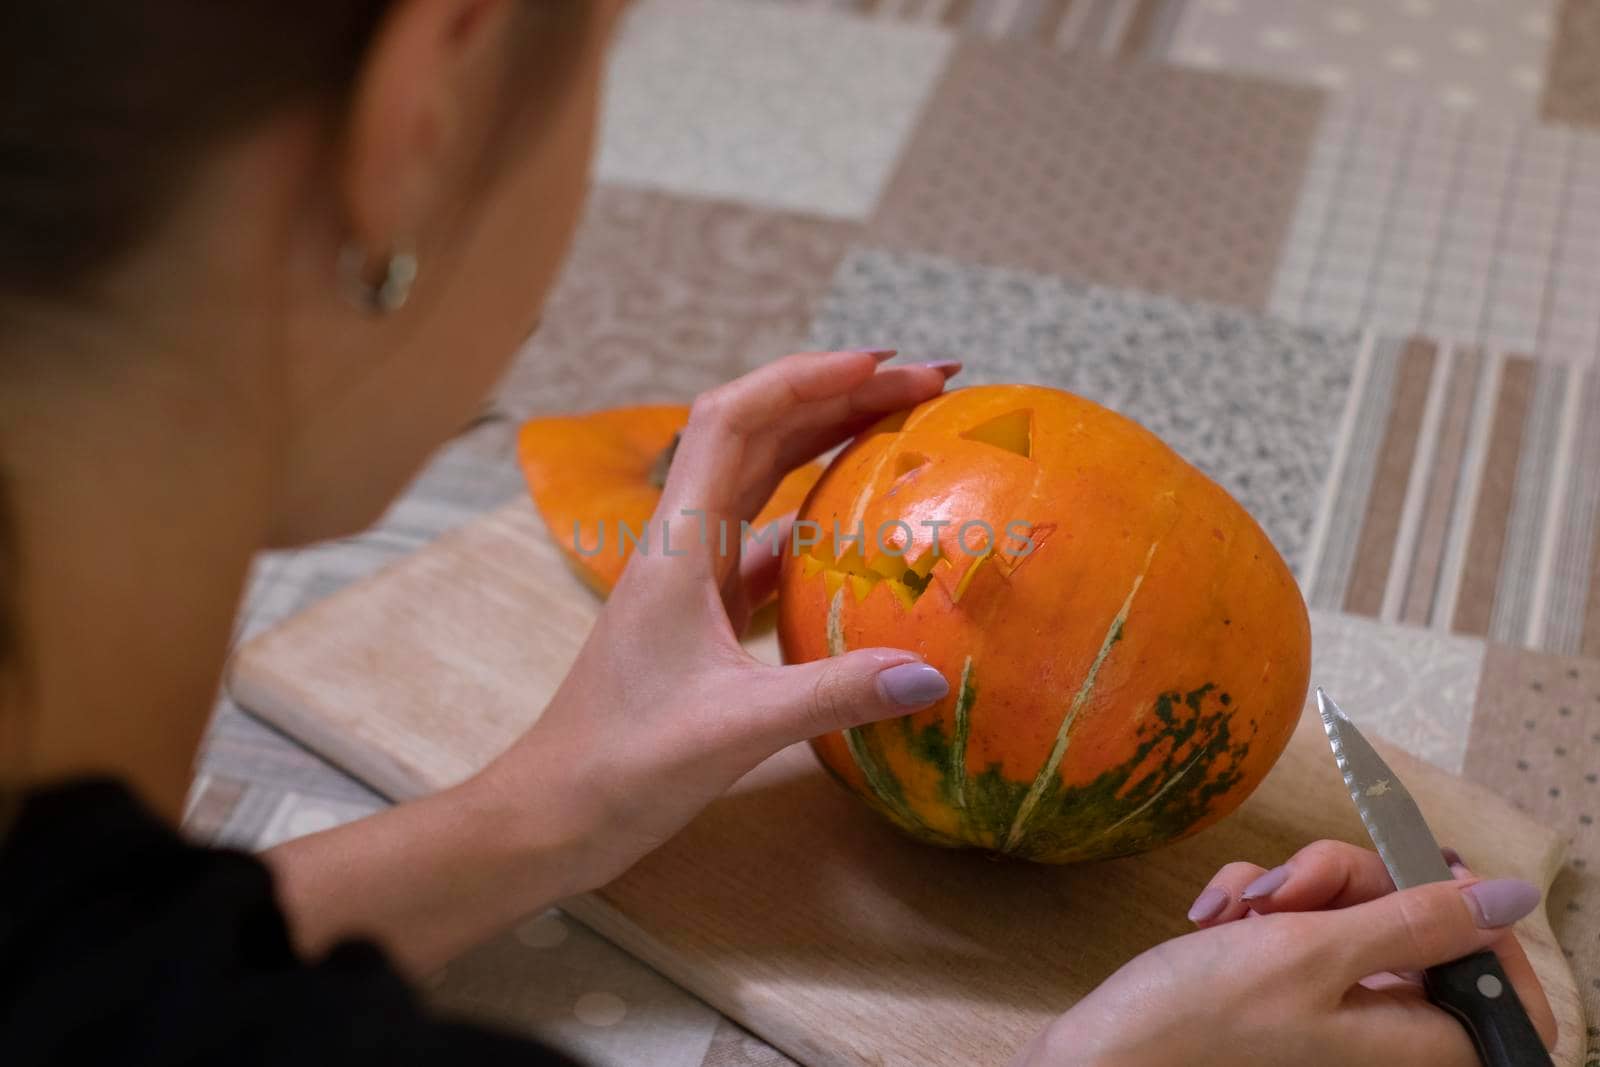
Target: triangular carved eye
x: 906, y: 462
x: 1012, y: 432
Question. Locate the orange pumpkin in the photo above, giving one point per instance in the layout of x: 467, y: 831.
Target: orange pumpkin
x: 1127, y: 660
x: 590, y: 474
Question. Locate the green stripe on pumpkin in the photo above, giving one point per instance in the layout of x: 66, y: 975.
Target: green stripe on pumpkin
x: 858, y: 739
x: 957, y: 765
x: 1049, y: 774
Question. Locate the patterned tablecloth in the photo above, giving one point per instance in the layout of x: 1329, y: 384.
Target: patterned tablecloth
x: 1344, y: 255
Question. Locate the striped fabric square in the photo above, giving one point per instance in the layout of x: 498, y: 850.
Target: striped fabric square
x: 1464, y: 496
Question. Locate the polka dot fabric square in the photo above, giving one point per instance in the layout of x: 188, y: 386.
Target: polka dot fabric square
x: 1456, y: 54
x: 1536, y: 741
x: 557, y: 981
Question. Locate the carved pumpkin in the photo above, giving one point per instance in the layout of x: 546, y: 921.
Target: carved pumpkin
x: 1124, y: 682
x: 590, y: 474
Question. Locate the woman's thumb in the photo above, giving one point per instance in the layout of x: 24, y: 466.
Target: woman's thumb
x: 1427, y: 925
x: 810, y: 699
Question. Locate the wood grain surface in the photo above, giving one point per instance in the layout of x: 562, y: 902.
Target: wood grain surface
x: 788, y: 905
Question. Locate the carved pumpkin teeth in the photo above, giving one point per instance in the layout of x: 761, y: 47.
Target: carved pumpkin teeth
x: 907, y: 582
x: 972, y: 571
x: 903, y: 593
x: 887, y: 566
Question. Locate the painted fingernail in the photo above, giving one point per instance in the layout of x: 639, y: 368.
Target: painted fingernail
x: 947, y: 367
x: 879, y: 354
x: 1266, y: 885
x: 1208, y: 905
x: 1501, y: 901
x: 1451, y: 857
x: 913, y: 685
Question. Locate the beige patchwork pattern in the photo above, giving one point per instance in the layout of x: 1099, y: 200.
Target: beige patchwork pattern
x: 1145, y: 177
x: 664, y: 297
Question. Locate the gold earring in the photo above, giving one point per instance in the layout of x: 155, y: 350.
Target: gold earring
x: 390, y: 293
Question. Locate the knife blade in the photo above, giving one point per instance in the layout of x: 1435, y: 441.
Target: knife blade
x: 1474, y: 989
x: 1391, y: 816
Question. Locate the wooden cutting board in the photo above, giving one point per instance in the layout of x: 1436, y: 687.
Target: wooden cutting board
x: 787, y: 905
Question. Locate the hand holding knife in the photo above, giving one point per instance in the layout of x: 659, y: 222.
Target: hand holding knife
x: 1474, y: 989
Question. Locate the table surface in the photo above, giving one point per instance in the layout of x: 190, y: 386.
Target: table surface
x: 1345, y: 257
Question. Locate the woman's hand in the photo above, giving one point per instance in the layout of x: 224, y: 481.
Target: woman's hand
x: 1314, y: 963
x: 663, y: 709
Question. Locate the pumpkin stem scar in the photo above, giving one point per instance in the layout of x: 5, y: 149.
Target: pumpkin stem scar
x: 1047, y: 774
x: 965, y: 695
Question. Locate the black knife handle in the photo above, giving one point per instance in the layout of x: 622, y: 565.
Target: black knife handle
x: 1477, y: 992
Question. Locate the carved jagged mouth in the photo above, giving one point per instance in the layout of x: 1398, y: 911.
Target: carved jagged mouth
x: 905, y: 579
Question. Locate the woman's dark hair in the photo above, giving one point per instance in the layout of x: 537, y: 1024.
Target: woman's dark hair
x: 108, y: 107
x: 105, y: 109
x: 105, y: 105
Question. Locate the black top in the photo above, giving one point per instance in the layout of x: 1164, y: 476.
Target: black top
x: 121, y: 944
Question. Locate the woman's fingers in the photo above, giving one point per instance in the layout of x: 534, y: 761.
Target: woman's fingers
x: 892, y: 389
x: 1423, y: 926
x: 761, y: 560
x: 1324, y: 874
x: 1335, y: 874
x: 1514, y: 961
x: 744, y: 436
x: 1221, y: 900
x: 1383, y: 938
x: 728, y: 423
x: 760, y: 564
x: 795, y: 703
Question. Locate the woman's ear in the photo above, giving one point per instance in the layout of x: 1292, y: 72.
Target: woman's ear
x: 418, y: 114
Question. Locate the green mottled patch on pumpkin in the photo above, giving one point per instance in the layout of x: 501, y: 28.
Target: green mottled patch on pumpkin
x: 884, y: 789
x: 929, y: 743
x: 1187, y: 756
x: 992, y: 804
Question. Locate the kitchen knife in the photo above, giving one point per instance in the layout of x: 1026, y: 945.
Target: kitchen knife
x: 1474, y: 989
